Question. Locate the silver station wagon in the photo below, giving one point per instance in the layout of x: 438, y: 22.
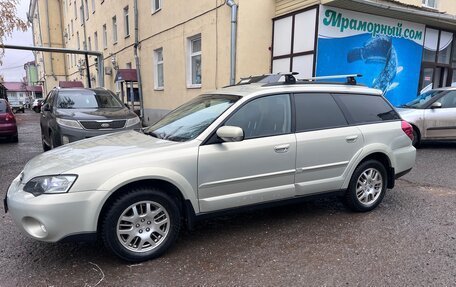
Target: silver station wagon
x: 256, y: 143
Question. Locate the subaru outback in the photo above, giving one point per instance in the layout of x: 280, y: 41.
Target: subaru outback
x: 256, y: 143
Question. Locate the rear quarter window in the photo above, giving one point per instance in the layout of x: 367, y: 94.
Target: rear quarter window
x: 364, y: 109
x: 3, y: 106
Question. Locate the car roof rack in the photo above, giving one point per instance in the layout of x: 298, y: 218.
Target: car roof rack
x: 290, y: 79
x: 351, y: 78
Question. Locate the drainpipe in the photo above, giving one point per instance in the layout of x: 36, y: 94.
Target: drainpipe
x: 138, y: 66
x: 84, y: 46
x: 49, y: 38
x: 234, y: 12
x: 63, y: 40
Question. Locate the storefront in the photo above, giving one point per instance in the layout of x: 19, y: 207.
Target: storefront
x: 399, y: 57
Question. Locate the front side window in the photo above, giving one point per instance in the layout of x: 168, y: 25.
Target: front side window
x: 317, y: 111
x: 365, y: 109
x: 194, y: 46
x: 159, y: 78
x: 449, y: 100
x: 191, y: 119
x: 87, y: 100
x: 265, y: 116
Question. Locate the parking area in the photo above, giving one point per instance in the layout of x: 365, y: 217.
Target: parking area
x: 409, y: 240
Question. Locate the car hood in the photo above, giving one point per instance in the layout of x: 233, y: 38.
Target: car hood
x: 89, y: 151
x: 95, y: 114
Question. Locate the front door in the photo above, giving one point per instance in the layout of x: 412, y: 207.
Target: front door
x: 260, y: 168
x: 440, y: 123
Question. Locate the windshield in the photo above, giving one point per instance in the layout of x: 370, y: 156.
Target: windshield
x: 422, y: 100
x: 191, y: 119
x: 87, y: 99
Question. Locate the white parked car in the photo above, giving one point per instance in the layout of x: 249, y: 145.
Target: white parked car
x: 258, y: 142
x: 432, y: 115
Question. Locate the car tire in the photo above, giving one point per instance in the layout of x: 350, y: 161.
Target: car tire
x: 367, y: 186
x: 146, y: 233
x: 416, y: 139
x: 45, y: 146
x: 14, y: 139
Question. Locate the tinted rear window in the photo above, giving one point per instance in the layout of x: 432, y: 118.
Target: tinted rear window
x: 366, y: 108
x: 317, y: 111
x: 87, y: 99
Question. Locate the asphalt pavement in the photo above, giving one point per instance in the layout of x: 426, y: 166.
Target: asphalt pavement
x: 409, y: 240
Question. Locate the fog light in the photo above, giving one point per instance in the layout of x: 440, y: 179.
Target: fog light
x: 43, y: 228
x: 65, y: 140
x: 34, y: 227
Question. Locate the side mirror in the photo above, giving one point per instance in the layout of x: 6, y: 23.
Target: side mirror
x: 436, y: 105
x: 230, y: 133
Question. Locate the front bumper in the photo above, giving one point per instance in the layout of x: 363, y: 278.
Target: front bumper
x: 53, y: 217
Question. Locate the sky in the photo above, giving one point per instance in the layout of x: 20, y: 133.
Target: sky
x: 12, y: 68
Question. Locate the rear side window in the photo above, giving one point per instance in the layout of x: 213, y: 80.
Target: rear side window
x: 2, y: 106
x: 362, y: 109
x: 317, y: 111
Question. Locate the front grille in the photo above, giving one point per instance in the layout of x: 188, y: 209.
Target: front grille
x: 99, y: 125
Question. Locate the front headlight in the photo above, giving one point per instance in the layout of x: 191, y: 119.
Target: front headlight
x: 50, y: 184
x: 69, y: 123
x: 132, y: 122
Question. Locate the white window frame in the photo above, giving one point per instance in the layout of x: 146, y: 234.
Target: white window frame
x: 158, y: 62
x: 86, y: 9
x: 425, y: 3
x: 126, y: 11
x: 75, y: 10
x: 95, y: 40
x: 89, y: 40
x: 114, y: 30
x: 93, y: 6
x: 105, y: 37
x: 190, y: 55
x: 79, y: 41
x: 156, y: 8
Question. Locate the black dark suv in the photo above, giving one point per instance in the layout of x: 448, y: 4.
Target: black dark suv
x: 73, y: 114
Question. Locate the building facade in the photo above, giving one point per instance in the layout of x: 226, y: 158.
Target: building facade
x: 183, y: 48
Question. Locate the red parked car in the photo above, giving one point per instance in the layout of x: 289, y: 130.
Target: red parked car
x: 8, y: 127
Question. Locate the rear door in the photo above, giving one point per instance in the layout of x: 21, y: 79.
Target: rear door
x: 440, y: 123
x: 325, y: 143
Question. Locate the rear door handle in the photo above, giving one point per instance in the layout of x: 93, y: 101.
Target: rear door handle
x: 282, y: 148
x: 351, y: 139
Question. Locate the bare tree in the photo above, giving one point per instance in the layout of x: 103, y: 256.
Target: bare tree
x: 9, y: 21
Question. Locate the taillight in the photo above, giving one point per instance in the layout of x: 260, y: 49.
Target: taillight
x: 9, y: 117
x: 408, y: 129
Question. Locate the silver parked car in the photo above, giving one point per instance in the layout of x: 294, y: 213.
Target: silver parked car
x: 432, y: 115
x: 259, y: 142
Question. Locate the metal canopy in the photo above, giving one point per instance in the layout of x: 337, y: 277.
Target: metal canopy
x: 99, y: 56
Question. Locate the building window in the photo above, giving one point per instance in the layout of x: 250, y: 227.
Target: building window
x: 81, y: 12
x: 156, y: 5
x: 69, y: 32
x: 293, y: 48
x: 105, y: 37
x: 114, y: 29
x: 75, y: 10
x: 128, y: 65
x: 430, y: 3
x: 159, y: 77
x: 194, y: 61
x: 86, y: 9
x: 93, y: 6
x: 79, y: 44
x: 72, y: 28
x: 126, y: 22
x: 90, y: 43
x: 95, y: 39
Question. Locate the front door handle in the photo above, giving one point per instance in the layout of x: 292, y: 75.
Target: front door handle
x: 282, y: 148
x: 351, y: 139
